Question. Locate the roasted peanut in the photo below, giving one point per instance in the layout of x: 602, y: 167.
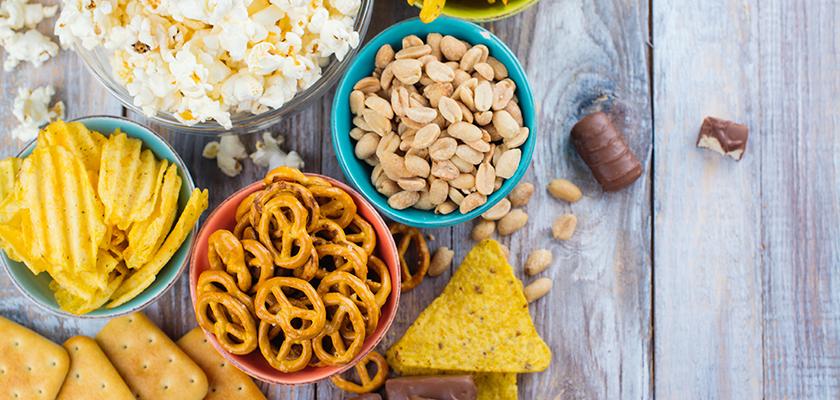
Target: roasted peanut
x: 441, y: 261
x: 564, y: 227
x: 498, y: 211
x: 512, y: 222
x: 483, y: 230
x: 521, y: 194
x: 537, y: 289
x: 565, y: 190
x: 538, y: 261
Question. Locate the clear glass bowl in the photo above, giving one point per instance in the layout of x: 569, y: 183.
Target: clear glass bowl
x: 98, y: 61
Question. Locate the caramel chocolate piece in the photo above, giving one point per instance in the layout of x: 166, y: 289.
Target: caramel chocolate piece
x: 725, y: 137
x: 605, y: 151
x: 456, y: 387
x: 368, y: 396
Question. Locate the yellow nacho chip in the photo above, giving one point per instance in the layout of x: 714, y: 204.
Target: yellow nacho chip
x: 479, y: 323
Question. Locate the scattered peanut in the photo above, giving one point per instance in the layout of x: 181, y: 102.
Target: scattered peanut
x: 498, y: 211
x: 564, y: 190
x: 564, y: 227
x: 505, y: 250
x: 483, y: 230
x: 439, y: 119
x: 521, y: 194
x: 441, y: 261
x: 537, y: 289
x: 512, y: 222
x: 538, y: 261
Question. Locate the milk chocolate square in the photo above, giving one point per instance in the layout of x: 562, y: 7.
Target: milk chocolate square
x: 723, y: 136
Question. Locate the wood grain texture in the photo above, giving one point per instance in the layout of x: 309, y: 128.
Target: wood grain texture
x: 797, y: 124
x: 708, y: 290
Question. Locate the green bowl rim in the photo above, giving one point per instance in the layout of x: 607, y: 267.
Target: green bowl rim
x: 4, y: 258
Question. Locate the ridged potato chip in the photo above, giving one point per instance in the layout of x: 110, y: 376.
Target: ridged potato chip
x: 67, y: 218
x: 140, y: 279
x: 145, y: 237
x: 84, y: 208
x: 77, y: 139
x: 129, y: 179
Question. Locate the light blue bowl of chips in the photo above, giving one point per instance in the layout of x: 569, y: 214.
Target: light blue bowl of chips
x: 36, y: 288
x: 358, y: 172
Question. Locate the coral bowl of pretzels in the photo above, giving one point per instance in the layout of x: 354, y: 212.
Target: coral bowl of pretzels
x: 294, y: 278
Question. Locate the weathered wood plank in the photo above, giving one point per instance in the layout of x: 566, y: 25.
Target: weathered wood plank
x: 597, y: 317
x: 797, y: 125
x: 707, y: 209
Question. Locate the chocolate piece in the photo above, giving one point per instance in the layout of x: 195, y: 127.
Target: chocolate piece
x: 368, y: 396
x: 723, y: 136
x: 457, y: 387
x: 606, y: 153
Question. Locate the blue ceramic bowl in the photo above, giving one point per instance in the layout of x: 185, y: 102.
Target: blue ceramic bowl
x: 358, y: 172
x: 36, y: 287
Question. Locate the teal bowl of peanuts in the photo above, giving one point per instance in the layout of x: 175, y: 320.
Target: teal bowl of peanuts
x: 434, y: 123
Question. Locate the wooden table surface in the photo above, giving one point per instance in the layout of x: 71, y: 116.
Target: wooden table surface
x: 707, y: 279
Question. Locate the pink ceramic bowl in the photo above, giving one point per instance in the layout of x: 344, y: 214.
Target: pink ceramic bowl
x: 253, y: 364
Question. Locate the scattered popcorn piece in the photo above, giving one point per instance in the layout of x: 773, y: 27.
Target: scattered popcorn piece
x: 227, y: 152
x: 29, y: 45
x: 32, y: 109
x: 19, y: 14
x: 270, y: 155
x: 204, y: 60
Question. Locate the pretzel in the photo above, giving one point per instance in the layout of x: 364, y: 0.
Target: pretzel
x: 327, y: 231
x: 258, y: 258
x: 361, y: 233
x: 308, y: 270
x: 225, y: 253
x: 367, y: 384
x: 381, y: 287
x: 228, y: 319
x: 299, y: 192
x: 220, y: 281
x: 290, y: 356
x: 340, y: 353
x: 313, y: 319
x: 291, y: 234
x: 346, y: 257
x: 404, y: 236
x: 335, y: 204
x: 346, y: 282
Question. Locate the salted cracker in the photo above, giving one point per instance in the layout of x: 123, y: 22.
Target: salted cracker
x: 480, y: 323
x: 91, y: 375
x: 226, y: 382
x: 152, y: 364
x: 31, y: 366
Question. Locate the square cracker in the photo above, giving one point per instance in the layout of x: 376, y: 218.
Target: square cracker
x: 226, y: 381
x: 31, y: 366
x: 152, y: 364
x: 91, y: 376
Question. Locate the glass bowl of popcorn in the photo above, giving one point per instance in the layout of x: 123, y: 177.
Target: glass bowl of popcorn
x: 213, y: 67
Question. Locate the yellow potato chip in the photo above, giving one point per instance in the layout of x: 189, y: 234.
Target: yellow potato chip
x: 66, y: 217
x: 77, y: 305
x: 140, y: 279
x: 78, y: 140
x: 145, y: 237
x: 128, y: 180
x: 431, y: 9
x: 15, y: 239
x: 479, y: 323
x: 9, y: 169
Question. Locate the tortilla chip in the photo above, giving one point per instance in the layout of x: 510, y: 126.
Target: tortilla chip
x: 479, y: 323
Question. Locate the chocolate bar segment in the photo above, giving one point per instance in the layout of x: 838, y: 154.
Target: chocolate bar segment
x: 368, y: 396
x: 457, y: 387
x: 723, y: 136
x: 603, y: 148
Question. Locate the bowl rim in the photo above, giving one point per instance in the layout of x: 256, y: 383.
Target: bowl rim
x: 251, y: 122
x: 276, y: 377
x: 4, y: 258
x: 429, y: 219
